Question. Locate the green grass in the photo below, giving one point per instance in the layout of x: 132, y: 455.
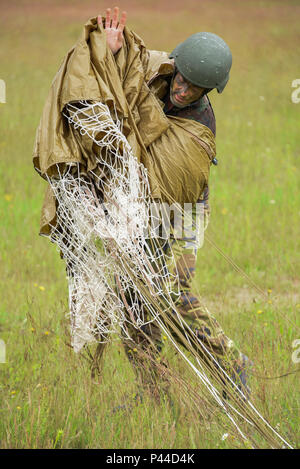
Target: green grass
x: 48, y: 398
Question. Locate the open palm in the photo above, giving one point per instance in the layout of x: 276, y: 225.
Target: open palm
x: 114, y: 29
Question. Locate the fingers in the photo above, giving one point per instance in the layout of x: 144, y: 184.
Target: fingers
x: 107, y: 21
x: 122, y: 21
x: 115, y: 18
x: 99, y: 20
x: 114, y: 21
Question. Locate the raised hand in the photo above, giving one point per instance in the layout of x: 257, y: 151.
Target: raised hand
x: 114, y: 28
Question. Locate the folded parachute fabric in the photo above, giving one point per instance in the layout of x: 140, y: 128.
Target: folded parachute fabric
x: 176, y: 152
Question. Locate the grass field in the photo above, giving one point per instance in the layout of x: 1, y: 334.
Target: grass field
x: 48, y: 398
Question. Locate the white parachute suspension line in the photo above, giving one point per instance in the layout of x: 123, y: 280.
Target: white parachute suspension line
x: 233, y: 384
x: 203, y: 378
x: 82, y: 220
x: 210, y: 387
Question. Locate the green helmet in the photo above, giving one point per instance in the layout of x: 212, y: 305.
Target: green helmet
x: 205, y: 60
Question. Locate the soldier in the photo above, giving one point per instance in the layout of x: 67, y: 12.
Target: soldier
x: 181, y: 82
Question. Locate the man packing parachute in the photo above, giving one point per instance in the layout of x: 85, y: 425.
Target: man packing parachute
x: 123, y: 124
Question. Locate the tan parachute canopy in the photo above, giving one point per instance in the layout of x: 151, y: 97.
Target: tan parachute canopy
x: 177, y: 159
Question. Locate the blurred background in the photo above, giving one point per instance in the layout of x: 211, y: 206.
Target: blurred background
x: 47, y: 396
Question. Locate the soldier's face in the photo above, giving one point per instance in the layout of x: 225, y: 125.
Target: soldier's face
x: 182, y: 92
